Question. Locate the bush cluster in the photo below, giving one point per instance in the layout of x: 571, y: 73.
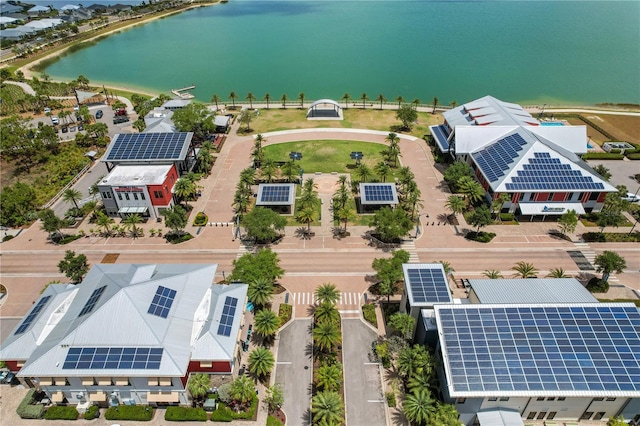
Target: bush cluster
x: 129, y: 412
x: 481, y: 237
x: 507, y: 217
x: 369, y: 313
x: 28, y: 409
x: 185, y: 414
x: 391, y: 399
x: 221, y: 414
x: 61, y: 412
x: 609, y: 237
x: 596, y: 285
x: 175, y: 238
x: 201, y: 219
x: 93, y: 412
x: 284, y: 312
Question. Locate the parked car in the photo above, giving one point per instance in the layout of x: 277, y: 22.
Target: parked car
x: 47, y: 110
x: 55, y: 120
x: 65, y: 129
x: 72, y: 128
x: 9, y: 379
x: 98, y: 114
x: 632, y: 198
x: 120, y: 119
x: 121, y: 111
x: 80, y: 127
x: 76, y: 108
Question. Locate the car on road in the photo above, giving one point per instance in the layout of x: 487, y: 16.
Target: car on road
x: 98, y: 114
x: 120, y: 119
x: 632, y: 198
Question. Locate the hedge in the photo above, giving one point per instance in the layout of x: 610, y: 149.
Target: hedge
x: 611, y: 237
x: 369, y: 313
x: 634, y: 156
x: 27, y: 409
x: 284, y: 312
x: 185, y: 414
x: 221, y: 414
x: 175, y: 238
x: 602, y: 156
x: 481, y: 237
x: 93, y: 412
x: 507, y: 217
x: 129, y: 412
x: 61, y: 412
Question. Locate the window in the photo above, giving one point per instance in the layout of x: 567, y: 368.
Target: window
x: 552, y: 415
x: 461, y: 400
x: 504, y: 398
x: 587, y: 415
x: 541, y: 415
x: 561, y: 398
x: 126, y: 195
x: 142, y: 196
x: 158, y: 194
x: 594, y: 196
x: 611, y: 399
x: 493, y: 399
x: 135, y: 196
x: 599, y: 415
x: 531, y: 416
x: 598, y: 399
x: 540, y: 398
x: 552, y: 398
x: 106, y: 195
x: 119, y: 196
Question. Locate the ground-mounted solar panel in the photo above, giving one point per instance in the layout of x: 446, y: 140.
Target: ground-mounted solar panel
x: 588, y: 349
x: 33, y: 314
x: 92, y: 301
x: 116, y: 358
x: 544, y: 173
x: 148, y: 146
x: 162, y: 301
x: 427, y: 284
x: 228, y: 313
x: 495, y: 160
x: 378, y: 193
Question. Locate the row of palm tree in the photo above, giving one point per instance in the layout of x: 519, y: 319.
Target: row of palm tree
x: 341, y: 203
x: 308, y: 203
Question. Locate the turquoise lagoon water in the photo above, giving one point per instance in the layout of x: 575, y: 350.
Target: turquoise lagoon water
x: 569, y: 52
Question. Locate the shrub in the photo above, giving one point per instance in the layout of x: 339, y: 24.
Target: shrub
x: 596, y: 285
x: 221, y: 414
x: 7, y: 237
x: 28, y: 409
x: 61, y: 412
x: 634, y: 156
x: 185, y: 414
x: 93, y: 412
x: 507, y: 217
x: 175, y: 238
x: 608, y: 237
x: 481, y: 237
x: 369, y: 313
x: 201, y: 219
x: 602, y: 156
x: 391, y: 399
x: 69, y: 238
x: 272, y: 421
x: 284, y: 312
x: 129, y: 412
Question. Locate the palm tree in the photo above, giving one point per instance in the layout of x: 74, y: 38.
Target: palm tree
x: 380, y: 98
x: 258, y: 152
x: 524, y: 270
x: 103, y: 221
x: 346, y: 98
x: 492, y: 274
x: 557, y: 273
x: 307, y: 214
x: 268, y: 170
x: 251, y: 97
x: 400, y: 100
x: 435, y: 104
x: 403, y: 323
x: 418, y: 406
x: 364, y: 99
x: 448, y: 269
x: 608, y: 262
x: 233, y: 97
x: 131, y: 221
x: 363, y: 172
x: 50, y: 222
x: 242, y: 390
x: 327, y: 292
x: 455, y: 204
x: 290, y: 171
x: 184, y: 188
x: 346, y: 214
x: 261, y: 362
x: 267, y: 98
x: 326, y: 312
x: 260, y: 291
x: 327, y: 408
x: 301, y: 97
x: 473, y: 191
x: 215, y: 99
x: 266, y: 323
x: 454, y: 104
x: 419, y: 381
x: 284, y: 99
x: 326, y: 335
x: 248, y: 176
x: 72, y: 195
x: 383, y: 170
x: 329, y: 377
x: 393, y: 151
x: 199, y: 385
x: 415, y: 103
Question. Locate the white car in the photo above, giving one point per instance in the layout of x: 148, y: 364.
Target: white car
x: 55, y: 120
x: 632, y: 198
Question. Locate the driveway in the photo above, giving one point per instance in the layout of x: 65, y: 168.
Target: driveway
x: 364, y: 400
x: 294, y: 371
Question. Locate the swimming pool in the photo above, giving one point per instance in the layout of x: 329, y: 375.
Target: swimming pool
x: 551, y: 123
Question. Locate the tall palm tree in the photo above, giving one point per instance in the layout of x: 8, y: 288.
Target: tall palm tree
x: 448, y: 269
x: 266, y: 323
x: 72, y: 195
x: 418, y: 406
x: 393, y: 151
x: 326, y: 312
x: 435, y: 104
x: 363, y: 172
x: 199, y: 385
x: 381, y: 98
x: 346, y: 214
x: 131, y: 221
x: 326, y: 335
x: 258, y: 152
x: 492, y: 274
x: 329, y: 377
x: 473, y: 191
x: 455, y: 204
x: 215, y: 99
x: 557, y: 273
x: 400, y: 100
x: 524, y: 270
x: 233, y: 97
x: 250, y: 97
x: 415, y: 103
x: 103, y: 221
x: 247, y: 177
x: 327, y: 408
x: 364, y: 98
x: 290, y: 171
x: 284, y: 99
x: 454, y: 104
x: 301, y: 97
x: 242, y: 390
x: 267, y: 98
x: 306, y: 215
x: 184, y: 188
x: 261, y: 362
x: 260, y: 291
x: 383, y: 170
x: 327, y: 292
x: 346, y: 98
x: 268, y: 170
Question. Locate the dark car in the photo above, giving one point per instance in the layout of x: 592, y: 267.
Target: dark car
x: 98, y: 114
x: 65, y: 129
x: 80, y: 126
x: 120, y: 119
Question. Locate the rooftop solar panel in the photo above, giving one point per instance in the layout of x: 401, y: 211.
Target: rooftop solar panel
x: 545, y: 173
x: 148, y: 146
x: 428, y: 284
x: 378, y: 193
x: 275, y: 194
x: 495, y: 159
x: 33, y: 315
x: 228, y: 313
x: 162, y: 301
x: 79, y: 358
x: 93, y: 300
x: 441, y: 134
x: 541, y: 349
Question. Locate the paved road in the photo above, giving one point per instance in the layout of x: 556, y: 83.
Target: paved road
x: 294, y: 371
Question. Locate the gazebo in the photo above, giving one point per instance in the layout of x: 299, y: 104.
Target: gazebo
x: 325, y: 109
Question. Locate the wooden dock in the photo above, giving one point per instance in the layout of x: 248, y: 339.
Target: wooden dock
x: 179, y: 93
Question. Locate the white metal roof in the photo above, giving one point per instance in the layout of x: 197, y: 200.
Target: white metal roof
x: 499, y: 417
x: 542, y: 290
x: 137, y: 175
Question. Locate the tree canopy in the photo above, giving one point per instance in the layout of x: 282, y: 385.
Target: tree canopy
x: 391, y: 225
x: 74, y: 266
x: 264, y: 264
x: 407, y: 115
x: 262, y: 223
x: 195, y: 118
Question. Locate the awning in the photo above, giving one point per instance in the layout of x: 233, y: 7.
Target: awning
x: 87, y: 381
x: 46, y: 381
x: 165, y: 381
x: 104, y: 381
x: 98, y: 396
x: 500, y: 418
x: 57, y: 397
x: 133, y: 210
x: 163, y: 397
x: 550, y: 208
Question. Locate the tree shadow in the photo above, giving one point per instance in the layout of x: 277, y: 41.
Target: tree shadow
x: 305, y: 420
x: 303, y: 233
x: 398, y: 418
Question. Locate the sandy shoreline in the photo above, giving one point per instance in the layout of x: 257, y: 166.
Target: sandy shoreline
x: 29, y: 73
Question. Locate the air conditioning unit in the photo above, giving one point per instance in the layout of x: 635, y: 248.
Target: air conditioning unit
x: 80, y: 396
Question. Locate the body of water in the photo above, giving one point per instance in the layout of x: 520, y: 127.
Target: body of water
x: 569, y: 52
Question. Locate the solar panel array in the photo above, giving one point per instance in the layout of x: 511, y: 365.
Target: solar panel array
x: 147, y: 146
x: 113, y: 358
x: 379, y: 193
x: 162, y: 301
x: 275, y: 193
x: 228, y: 313
x: 32, y: 315
x: 441, y: 133
x: 541, y: 348
x: 93, y: 300
x: 494, y: 160
x: 545, y: 173
x: 428, y: 285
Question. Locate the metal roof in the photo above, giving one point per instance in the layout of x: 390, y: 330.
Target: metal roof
x: 543, y: 290
x: 137, y: 175
x: 499, y: 417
